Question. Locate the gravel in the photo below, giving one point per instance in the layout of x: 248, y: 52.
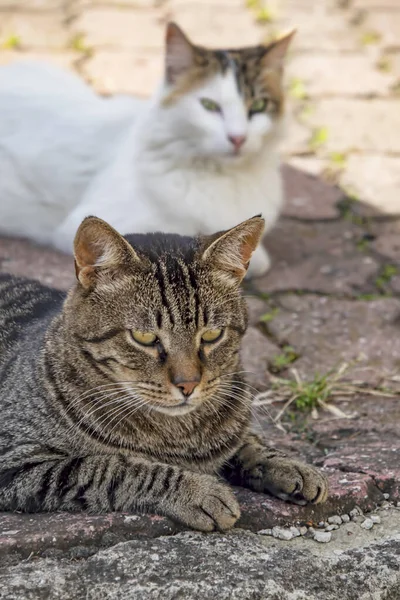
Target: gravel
x: 375, y: 519
x: 323, y: 537
x: 345, y: 518
x: 282, y: 534
x: 335, y: 520
x: 367, y: 524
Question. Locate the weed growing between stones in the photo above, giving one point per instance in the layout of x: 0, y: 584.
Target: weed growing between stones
x: 308, y: 397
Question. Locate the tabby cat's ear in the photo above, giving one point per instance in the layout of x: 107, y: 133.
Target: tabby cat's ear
x: 229, y: 253
x: 179, y: 53
x: 275, y: 52
x: 99, y: 250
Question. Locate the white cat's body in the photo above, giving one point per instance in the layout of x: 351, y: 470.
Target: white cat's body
x: 66, y: 153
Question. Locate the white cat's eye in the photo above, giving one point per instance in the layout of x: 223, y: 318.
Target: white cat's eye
x: 210, y: 105
x: 259, y: 105
x: 145, y: 338
x: 211, y: 336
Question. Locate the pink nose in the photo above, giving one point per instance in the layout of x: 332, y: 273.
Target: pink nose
x: 187, y: 387
x: 237, y: 140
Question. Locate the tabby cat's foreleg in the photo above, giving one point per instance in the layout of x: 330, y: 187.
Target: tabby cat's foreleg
x: 265, y: 469
x: 116, y: 482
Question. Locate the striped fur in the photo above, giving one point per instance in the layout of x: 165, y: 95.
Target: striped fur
x: 88, y: 419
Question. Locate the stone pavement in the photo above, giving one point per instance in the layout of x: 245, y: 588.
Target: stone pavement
x: 343, y: 75
x: 331, y: 298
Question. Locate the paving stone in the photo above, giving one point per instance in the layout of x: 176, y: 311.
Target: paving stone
x: 339, y: 75
x: 29, y: 5
x: 358, y: 125
x: 216, y: 28
x: 62, y: 59
x: 124, y: 72
x: 121, y: 28
x: 34, y: 30
x: 25, y: 259
x: 308, y: 197
x: 386, y: 23
x: 319, y: 29
x: 296, y: 136
x: 387, y: 241
x: 327, y: 332
x: 375, y: 178
x: 257, y: 353
x: 320, y: 256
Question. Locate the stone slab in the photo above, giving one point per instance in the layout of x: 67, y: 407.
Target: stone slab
x: 325, y: 75
x: 307, y: 197
x: 124, y: 72
x: 110, y: 27
x: 376, y: 179
x: 234, y: 566
x: 328, y: 332
x: 355, y: 125
x: 35, y: 30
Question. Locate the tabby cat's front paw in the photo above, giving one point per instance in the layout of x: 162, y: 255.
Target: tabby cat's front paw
x: 206, y: 504
x: 293, y: 480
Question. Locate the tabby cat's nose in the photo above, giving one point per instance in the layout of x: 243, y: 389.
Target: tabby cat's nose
x: 237, y: 140
x: 187, y: 387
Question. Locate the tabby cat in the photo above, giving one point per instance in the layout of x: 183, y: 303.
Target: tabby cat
x: 126, y: 394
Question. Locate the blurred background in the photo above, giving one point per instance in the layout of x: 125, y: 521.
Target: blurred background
x: 342, y: 77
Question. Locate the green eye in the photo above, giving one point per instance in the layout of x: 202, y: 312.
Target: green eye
x: 259, y: 105
x: 210, y: 105
x: 146, y: 338
x: 212, y: 335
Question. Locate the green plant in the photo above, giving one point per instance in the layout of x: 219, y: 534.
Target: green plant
x: 268, y: 316
x: 297, y: 89
x: 370, y: 37
x: 318, y: 138
x: 78, y: 44
x: 13, y: 42
x: 385, y: 276
x: 283, y: 360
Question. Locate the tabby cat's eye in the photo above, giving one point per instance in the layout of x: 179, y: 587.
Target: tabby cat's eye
x: 210, y: 105
x: 259, y: 105
x: 212, y: 335
x: 146, y: 338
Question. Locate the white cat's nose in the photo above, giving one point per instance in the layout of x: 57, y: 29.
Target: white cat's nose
x: 237, y: 141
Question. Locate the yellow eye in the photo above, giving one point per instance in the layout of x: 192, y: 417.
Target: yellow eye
x: 146, y: 338
x: 212, y: 335
x: 210, y: 105
x: 259, y: 105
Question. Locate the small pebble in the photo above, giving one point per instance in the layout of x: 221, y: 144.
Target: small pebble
x: 295, y: 531
x: 303, y: 530
x: 323, y: 537
x: 265, y: 532
x: 354, y: 514
x: 398, y: 505
x: 335, y: 520
x: 282, y: 534
x: 386, y: 496
x: 385, y: 505
x: 345, y: 518
x: 311, y: 530
x: 375, y: 519
x: 367, y: 524
x: 321, y: 524
x: 332, y: 527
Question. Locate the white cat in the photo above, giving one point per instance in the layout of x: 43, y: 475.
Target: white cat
x: 199, y: 156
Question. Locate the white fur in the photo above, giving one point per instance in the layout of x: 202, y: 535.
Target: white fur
x: 66, y: 153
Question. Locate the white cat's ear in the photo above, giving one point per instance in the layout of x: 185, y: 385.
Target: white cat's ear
x: 229, y: 252
x: 100, y: 250
x: 178, y: 53
x: 276, y: 51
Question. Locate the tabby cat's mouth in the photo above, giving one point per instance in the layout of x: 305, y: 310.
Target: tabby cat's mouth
x: 182, y: 408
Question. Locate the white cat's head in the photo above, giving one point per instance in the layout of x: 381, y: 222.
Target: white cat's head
x: 221, y: 104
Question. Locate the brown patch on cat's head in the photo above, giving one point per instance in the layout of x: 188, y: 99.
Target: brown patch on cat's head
x: 258, y: 69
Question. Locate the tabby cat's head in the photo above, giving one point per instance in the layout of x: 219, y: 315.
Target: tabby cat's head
x: 222, y: 103
x: 162, y: 314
